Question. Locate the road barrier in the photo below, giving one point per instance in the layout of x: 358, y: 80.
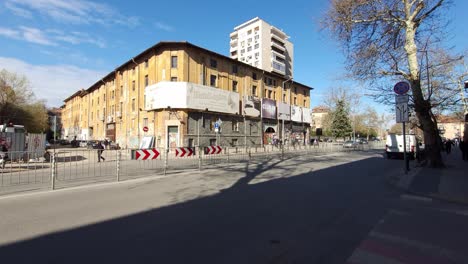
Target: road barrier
x: 75, y: 166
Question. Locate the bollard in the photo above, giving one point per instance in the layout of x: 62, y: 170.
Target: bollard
x: 119, y: 156
x: 227, y: 156
x: 54, y: 171
x: 199, y: 158
x: 165, y: 161
x: 250, y: 155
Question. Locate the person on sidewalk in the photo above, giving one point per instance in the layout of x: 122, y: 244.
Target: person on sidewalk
x: 448, y: 146
x: 464, y: 149
x: 100, y: 149
x: 3, y: 156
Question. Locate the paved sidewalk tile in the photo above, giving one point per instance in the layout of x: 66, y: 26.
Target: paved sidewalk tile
x: 415, y: 238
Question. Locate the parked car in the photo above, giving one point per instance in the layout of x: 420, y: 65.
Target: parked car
x: 394, y: 146
x: 350, y: 144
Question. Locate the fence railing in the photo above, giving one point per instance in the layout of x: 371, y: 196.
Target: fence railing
x: 71, y: 167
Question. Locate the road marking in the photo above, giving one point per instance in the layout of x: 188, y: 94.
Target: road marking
x: 415, y: 197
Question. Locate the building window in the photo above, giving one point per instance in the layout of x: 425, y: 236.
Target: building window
x: 173, y: 79
x: 145, y: 122
x: 234, y: 86
x: 235, y: 126
x: 234, y: 69
x: 146, y: 63
x: 249, y: 49
x: 173, y: 61
x: 121, y: 107
x: 212, y: 122
x: 133, y: 85
x: 242, y: 43
x: 257, y: 37
x: 133, y: 70
x: 284, y: 98
x: 254, y: 75
x: 121, y: 90
x: 133, y: 104
x: 256, y: 46
x: 305, y: 102
x: 213, y: 63
x: 269, y: 94
x: 295, y: 101
x: 112, y: 110
x: 254, y: 90
x: 146, y: 80
x: 213, y: 80
x: 98, y: 101
x: 249, y: 32
x: 234, y: 142
x: 112, y: 94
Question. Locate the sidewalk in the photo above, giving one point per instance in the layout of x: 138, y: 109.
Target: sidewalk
x: 448, y: 184
x: 423, y: 230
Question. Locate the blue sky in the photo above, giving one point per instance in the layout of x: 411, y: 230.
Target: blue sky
x: 66, y: 45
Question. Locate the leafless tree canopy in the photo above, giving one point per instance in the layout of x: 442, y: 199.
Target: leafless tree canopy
x: 389, y: 40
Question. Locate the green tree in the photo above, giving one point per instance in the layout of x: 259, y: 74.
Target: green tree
x: 340, y: 125
x: 389, y: 40
x: 19, y: 105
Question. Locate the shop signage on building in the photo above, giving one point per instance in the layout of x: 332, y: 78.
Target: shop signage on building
x: 268, y: 108
x: 307, y: 115
x: 296, y: 113
x: 284, y: 111
x: 252, y: 106
x: 184, y: 95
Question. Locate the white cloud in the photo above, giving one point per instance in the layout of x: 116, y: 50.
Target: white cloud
x: 18, y: 10
x: 50, y: 37
x: 163, y: 26
x: 75, y: 11
x: 10, y: 33
x: 37, y: 36
x: 53, y: 82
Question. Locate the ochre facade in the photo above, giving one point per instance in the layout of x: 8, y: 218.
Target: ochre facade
x: 114, y: 107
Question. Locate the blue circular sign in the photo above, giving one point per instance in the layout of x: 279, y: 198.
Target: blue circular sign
x: 401, y: 87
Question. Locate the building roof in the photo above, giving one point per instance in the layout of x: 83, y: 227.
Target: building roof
x: 172, y: 44
x: 320, y: 109
x: 448, y: 119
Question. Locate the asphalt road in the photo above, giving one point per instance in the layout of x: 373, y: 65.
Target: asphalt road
x: 306, y: 209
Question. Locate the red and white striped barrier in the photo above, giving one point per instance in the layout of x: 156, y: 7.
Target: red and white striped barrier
x: 146, y: 154
x: 184, y: 152
x: 213, y: 150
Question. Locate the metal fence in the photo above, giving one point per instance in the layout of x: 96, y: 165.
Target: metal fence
x: 75, y: 166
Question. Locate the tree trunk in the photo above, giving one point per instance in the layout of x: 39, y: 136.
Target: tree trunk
x: 422, y: 107
x: 431, y: 133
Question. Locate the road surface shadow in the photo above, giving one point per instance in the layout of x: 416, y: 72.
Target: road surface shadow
x: 316, y: 217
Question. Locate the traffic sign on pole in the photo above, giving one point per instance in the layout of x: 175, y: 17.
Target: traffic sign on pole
x: 401, y: 87
x: 402, y: 113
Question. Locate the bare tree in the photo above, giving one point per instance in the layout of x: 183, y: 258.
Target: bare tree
x: 386, y: 40
x: 18, y: 103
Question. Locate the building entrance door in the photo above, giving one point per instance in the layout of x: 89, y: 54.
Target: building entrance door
x: 172, y: 136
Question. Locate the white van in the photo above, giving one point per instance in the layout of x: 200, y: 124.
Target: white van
x: 394, y: 146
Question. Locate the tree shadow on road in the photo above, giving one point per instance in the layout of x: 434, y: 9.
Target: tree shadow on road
x: 317, y: 217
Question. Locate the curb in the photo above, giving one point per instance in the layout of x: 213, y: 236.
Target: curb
x: 402, y: 182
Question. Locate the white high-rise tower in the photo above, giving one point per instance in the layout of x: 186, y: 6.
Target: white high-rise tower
x: 262, y: 45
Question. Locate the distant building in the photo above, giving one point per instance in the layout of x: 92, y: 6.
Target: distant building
x: 318, y: 114
x: 450, y: 127
x: 262, y: 45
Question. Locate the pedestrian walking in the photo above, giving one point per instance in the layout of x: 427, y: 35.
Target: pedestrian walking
x: 3, y: 156
x: 448, y: 146
x: 100, y: 149
x: 464, y: 149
